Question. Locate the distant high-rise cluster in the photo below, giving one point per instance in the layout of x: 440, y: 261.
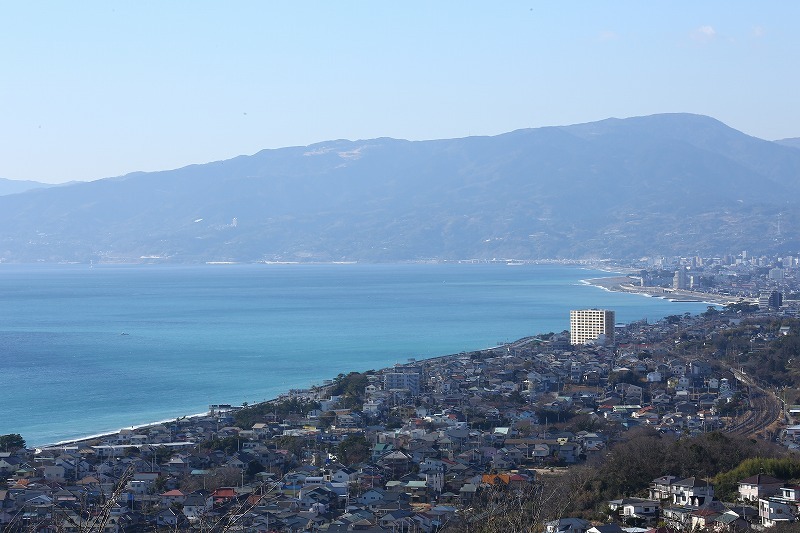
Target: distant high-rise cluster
x: 770, y: 300
x: 681, y: 279
x: 591, y: 325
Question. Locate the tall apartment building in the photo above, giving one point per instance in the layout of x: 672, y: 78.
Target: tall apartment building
x: 767, y: 300
x: 591, y: 325
x: 681, y: 279
x: 404, y: 377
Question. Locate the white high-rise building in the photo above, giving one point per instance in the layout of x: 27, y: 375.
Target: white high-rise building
x: 681, y: 279
x: 408, y: 377
x: 595, y: 325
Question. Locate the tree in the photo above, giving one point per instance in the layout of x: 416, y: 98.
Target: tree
x: 624, y: 376
x: 354, y: 449
x: 523, y: 509
x: 11, y: 442
x: 249, y: 415
x: 225, y: 476
x: 741, y: 307
x: 253, y: 468
x: 351, y: 388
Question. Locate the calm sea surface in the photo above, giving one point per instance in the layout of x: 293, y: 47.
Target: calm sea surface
x: 196, y: 335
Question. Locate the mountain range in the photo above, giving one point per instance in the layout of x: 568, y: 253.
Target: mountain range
x: 8, y: 186
x: 669, y: 184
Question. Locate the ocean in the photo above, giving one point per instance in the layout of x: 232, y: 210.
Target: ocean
x: 85, y: 351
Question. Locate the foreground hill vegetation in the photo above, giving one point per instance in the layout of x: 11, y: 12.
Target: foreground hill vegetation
x: 627, y: 471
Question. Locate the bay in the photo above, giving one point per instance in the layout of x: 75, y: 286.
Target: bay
x: 91, y: 350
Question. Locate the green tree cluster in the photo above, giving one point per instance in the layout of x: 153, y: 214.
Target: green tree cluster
x: 351, y: 388
x: 784, y: 468
x: 11, y: 442
x: 246, y: 417
x: 631, y: 465
x: 742, y: 307
x: 754, y: 347
x: 354, y: 448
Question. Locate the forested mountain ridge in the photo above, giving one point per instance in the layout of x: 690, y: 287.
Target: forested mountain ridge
x: 8, y: 186
x: 675, y: 183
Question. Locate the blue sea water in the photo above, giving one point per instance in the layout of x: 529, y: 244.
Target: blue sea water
x: 197, y: 335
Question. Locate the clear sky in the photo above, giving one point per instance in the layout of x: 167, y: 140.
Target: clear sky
x: 95, y: 89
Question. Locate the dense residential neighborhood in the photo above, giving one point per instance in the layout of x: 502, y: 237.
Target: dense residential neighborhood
x: 410, y: 448
x: 466, y: 442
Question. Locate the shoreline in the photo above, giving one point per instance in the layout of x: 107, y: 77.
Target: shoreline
x: 77, y: 442
x: 104, y: 434
x: 623, y: 284
x: 608, y: 283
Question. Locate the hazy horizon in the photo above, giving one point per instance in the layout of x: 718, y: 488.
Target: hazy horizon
x: 102, y: 90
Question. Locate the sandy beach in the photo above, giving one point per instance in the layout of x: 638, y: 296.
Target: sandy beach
x: 624, y: 284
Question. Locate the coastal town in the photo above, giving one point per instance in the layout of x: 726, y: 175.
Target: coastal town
x: 512, y: 438
x: 418, y: 267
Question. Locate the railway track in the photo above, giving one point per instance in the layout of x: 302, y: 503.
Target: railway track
x: 764, y: 413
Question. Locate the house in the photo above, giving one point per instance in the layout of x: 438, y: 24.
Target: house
x: 568, y: 525
x: 467, y: 492
x: 54, y: 473
x: 635, y: 508
x: 381, y: 449
x: 790, y: 493
x: 700, y: 368
x: 223, y: 495
x: 702, y: 519
x: 317, y: 494
x: 791, y: 431
x: 371, y: 496
x: 430, y: 521
x: 344, y: 475
x: 396, y: 463
x: 71, y: 522
x: 774, y: 511
x: 692, y: 491
x: 8, y: 463
x: 569, y: 452
x: 172, y: 496
x: 196, y: 505
x: 169, y: 518
x: 398, y: 520
x: 677, y: 517
x: 729, y: 521
x: 593, y: 441
x: 753, y: 488
x: 608, y: 528
x: 509, y: 480
x: 417, y: 490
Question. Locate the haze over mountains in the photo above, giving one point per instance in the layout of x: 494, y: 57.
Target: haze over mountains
x: 17, y: 186
x: 663, y: 184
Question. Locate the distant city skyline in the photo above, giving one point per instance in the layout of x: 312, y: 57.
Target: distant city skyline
x: 103, y: 89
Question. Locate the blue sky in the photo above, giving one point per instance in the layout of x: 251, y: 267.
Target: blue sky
x: 101, y: 88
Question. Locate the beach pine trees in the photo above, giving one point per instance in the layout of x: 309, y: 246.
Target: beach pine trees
x: 11, y: 442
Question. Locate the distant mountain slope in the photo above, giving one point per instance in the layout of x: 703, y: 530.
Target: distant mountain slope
x: 793, y: 142
x: 17, y: 186
x: 662, y: 184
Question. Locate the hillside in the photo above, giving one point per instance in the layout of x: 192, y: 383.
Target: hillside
x: 794, y: 142
x: 17, y: 186
x: 662, y: 184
